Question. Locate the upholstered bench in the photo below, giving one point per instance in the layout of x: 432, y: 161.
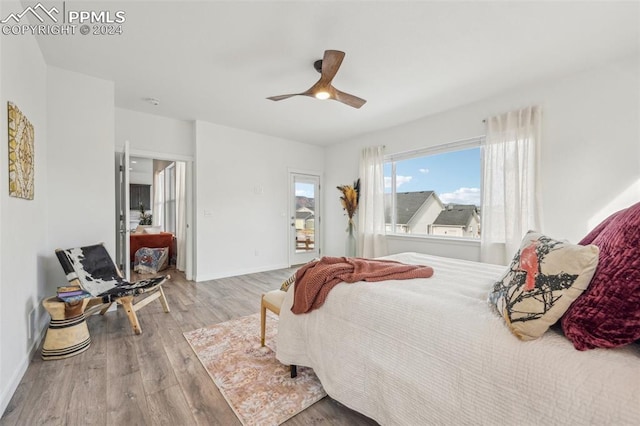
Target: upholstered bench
x: 272, y: 301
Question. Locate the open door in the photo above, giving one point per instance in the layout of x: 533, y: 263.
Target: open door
x: 304, y: 235
x: 122, y: 213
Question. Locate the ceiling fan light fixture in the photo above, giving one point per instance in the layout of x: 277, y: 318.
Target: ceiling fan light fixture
x: 322, y: 95
x: 327, y: 67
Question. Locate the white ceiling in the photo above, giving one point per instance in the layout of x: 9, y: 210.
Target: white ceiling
x: 218, y: 61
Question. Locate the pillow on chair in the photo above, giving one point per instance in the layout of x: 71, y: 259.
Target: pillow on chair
x: 151, y: 260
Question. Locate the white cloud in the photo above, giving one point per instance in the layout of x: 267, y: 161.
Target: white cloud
x: 399, y: 181
x: 462, y: 196
x: 424, y: 171
x: 303, y: 193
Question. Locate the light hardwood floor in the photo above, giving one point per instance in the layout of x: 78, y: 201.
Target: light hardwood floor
x: 153, y: 378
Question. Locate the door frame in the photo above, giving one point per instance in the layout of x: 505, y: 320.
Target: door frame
x: 190, y: 198
x: 318, y: 226
x: 123, y: 209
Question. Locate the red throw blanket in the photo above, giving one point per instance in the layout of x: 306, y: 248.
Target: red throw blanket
x: 315, y: 279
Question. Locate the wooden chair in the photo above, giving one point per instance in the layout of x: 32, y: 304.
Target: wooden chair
x: 92, y: 268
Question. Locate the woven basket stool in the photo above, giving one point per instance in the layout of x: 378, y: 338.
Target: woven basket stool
x: 68, y: 334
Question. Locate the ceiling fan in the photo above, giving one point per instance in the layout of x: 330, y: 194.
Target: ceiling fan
x: 327, y: 67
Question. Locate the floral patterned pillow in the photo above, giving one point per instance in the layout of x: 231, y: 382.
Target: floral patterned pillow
x: 544, y: 278
x: 287, y: 283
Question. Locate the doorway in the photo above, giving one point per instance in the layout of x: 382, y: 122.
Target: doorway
x: 154, y: 199
x: 305, y: 208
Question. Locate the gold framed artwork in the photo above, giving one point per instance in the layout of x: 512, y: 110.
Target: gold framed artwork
x: 21, y: 154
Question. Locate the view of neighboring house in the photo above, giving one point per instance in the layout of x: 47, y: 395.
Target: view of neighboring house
x: 415, y: 211
x: 457, y: 220
x: 423, y: 213
x: 305, y: 223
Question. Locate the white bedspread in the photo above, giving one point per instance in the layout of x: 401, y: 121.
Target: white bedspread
x: 430, y: 351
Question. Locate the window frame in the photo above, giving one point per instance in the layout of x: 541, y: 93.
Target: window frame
x: 475, y: 142
x: 169, y: 198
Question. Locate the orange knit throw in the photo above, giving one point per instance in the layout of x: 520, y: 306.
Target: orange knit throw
x: 315, y: 279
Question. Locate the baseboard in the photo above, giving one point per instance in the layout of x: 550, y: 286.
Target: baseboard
x: 226, y: 274
x: 9, y: 390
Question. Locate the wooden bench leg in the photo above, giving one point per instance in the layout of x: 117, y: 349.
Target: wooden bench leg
x: 127, y: 304
x: 163, y: 301
x: 294, y: 371
x: 263, y: 321
x: 105, y: 309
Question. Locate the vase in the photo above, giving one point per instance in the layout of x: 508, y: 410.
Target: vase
x: 350, y: 247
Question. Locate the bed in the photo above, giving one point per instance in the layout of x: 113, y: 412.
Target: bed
x: 430, y: 351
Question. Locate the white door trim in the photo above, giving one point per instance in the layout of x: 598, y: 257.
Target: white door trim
x: 319, y: 226
x: 190, y: 199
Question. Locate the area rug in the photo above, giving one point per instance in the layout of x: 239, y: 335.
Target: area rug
x: 256, y: 385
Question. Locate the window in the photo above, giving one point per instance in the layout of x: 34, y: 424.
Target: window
x: 436, y: 191
x: 170, y: 198
x: 165, y: 198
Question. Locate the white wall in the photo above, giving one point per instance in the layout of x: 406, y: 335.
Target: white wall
x: 153, y: 133
x: 230, y: 164
x: 80, y: 166
x: 590, y: 152
x: 80, y: 162
x: 23, y: 223
x: 143, y: 171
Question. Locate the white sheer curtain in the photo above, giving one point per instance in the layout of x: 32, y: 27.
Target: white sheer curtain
x: 371, y: 227
x: 510, y: 197
x: 158, y: 198
x: 181, y: 217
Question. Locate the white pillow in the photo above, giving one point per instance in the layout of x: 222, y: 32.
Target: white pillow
x: 544, y: 278
x: 153, y: 230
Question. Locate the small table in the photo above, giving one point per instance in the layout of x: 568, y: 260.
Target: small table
x: 68, y: 334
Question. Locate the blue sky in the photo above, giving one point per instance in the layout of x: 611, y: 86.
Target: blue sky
x: 304, y: 189
x: 454, y: 176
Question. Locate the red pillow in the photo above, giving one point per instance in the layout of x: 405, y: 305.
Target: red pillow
x: 607, y: 314
x: 598, y: 229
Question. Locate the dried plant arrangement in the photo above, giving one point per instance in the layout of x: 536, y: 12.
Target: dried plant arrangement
x: 350, y: 198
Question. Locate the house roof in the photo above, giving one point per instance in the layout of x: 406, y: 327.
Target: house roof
x: 456, y: 215
x: 304, y: 213
x: 407, y: 204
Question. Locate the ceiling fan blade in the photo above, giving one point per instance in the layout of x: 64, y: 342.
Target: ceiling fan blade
x: 348, y: 99
x: 330, y: 64
x: 281, y: 97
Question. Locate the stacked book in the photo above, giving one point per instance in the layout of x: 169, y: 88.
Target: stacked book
x: 72, y: 293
